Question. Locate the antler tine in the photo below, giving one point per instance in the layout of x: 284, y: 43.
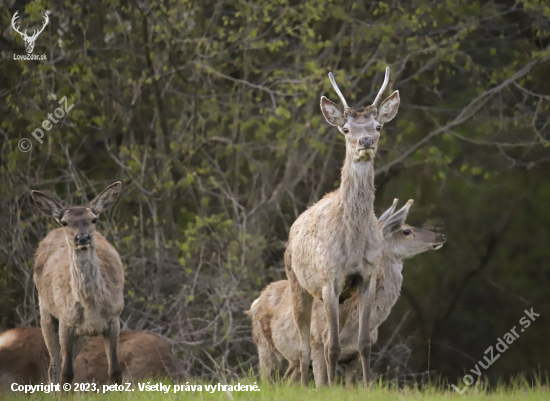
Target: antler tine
x: 43, y: 26
x: 386, y: 80
x: 15, y: 16
x: 333, y: 82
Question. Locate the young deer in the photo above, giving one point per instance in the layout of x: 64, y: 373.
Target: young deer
x: 334, y: 247
x: 401, y: 241
x: 276, y: 339
x: 80, y: 279
x: 24, y: 358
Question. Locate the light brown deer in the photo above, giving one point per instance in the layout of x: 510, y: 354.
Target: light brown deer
x: 80, y: 279
x: 24, y: 358
x: 277, y: 340
x: 401, y: 241
x: 335, y: 247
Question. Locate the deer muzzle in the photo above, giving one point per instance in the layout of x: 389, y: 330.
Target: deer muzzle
x: 440, y: 244
x: 82, y: 241
x: 365, y: 146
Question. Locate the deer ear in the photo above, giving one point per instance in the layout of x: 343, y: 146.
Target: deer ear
x: 107, y: 198
x: 47, y: 205
x: 388, y: 108
x: 332, y: 113
x: 385, y: 216
x: 396, y: 220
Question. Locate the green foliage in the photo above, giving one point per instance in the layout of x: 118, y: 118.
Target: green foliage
x: 209, y: 114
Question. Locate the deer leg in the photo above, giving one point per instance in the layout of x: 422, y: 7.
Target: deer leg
x: 50, y: 331
x: 78, y: 344
x: 266, y: 363
x: 302, y: 317
x: 67, y: 340
x: 366, y: 299
x: 351, y: 372
x: 290, y: 370
x: 319, y: 364
x: 294, y: 375
x: 330, y: 300
x: 302, y: 303
x: 111, y: 344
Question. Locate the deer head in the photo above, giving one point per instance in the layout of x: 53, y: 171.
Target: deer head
x: 405, y: 240
x: 29, y: 40
x: 361, y: 129
x: 78, y: 222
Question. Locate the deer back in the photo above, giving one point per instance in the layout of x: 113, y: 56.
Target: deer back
x: 24, y: 357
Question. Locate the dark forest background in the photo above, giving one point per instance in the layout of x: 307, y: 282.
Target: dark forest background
x: 208, y: 112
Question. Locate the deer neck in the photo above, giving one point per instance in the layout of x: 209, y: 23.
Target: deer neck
x: 86, y: 280
x: 389, y: 287
x: 357, y: 194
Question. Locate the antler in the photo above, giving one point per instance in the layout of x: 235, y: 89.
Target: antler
x: 333, y: 82
x: 14, y: 27
x: 35, y: 34
x: 386, y: 80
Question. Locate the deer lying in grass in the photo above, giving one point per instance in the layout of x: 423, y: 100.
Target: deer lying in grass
x: 278, y: 339
x: 24, y: 358
x: 80, y: 279
x: 334, y: 247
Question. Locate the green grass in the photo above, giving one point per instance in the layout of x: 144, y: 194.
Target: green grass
x: 517, y: 390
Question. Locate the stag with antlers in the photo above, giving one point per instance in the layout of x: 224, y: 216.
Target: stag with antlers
x: 335, y: 247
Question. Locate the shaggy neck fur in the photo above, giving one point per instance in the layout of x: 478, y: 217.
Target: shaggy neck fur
x: 86, y: 281
x: 356, y: 198
x: 393, y: 266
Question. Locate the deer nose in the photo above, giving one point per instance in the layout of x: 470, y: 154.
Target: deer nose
x: 443, y: 237
x: 82, y: 239
x: 366, y: 142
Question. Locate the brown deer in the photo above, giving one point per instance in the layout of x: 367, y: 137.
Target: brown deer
x: 24, y: 358
x: 80, y: 279
x: 142, y: 355
x: 277, y: 340
x: 334, y: 248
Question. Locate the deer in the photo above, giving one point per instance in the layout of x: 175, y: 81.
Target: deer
x: 80, y: 280
x: 401, y: 241
x: 334, y: 248
x: 24, y: 358
x: 29, y: 40
x: 142, y: 355
x: 277, y: 340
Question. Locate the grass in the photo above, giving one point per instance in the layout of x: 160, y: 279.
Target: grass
x: 518, y: 389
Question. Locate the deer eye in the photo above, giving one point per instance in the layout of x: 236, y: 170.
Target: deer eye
x: 94, y: 220
x: 64, y: 223
x: 378, y: 128
x: 345, y: 130
x: 406, y: 232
